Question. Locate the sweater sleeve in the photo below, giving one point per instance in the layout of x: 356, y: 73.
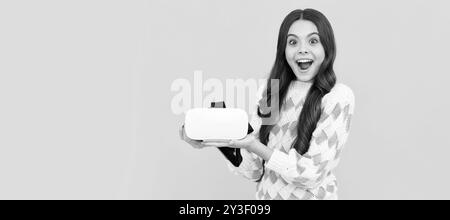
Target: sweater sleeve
x: 251, y: 165
x: 309, y: 170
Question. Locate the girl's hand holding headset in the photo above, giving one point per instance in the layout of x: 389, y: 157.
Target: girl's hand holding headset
x: 245, y: 142
x: 194, y: 143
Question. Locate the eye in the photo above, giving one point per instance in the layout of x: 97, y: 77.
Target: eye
x: 292, y: 42
x: 314, y: 41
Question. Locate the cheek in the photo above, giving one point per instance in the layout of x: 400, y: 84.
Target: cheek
x: 289, y: 52
x: 320, y: 55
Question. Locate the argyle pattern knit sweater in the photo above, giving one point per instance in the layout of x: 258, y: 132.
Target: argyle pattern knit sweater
x: 289, y: 175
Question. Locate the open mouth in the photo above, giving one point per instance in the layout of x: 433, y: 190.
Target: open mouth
x: 304, y: 64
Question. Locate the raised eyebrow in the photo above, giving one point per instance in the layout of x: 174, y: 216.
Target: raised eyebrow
x: 293, y: 35
x: 313, y: 34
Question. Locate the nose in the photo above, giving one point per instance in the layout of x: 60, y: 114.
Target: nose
x: 303, y: 49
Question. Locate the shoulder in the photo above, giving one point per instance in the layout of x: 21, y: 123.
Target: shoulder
x: 341, y: 95
x: 340, y: 92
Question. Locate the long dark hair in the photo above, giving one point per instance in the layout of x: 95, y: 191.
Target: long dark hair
x: 322, y: 83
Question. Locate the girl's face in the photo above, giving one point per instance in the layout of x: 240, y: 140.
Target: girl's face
x: 304, y: 51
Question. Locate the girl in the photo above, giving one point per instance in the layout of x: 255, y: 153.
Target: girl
x: 294, y: 157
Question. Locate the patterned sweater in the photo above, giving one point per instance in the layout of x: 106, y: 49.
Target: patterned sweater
x: 289, y: 175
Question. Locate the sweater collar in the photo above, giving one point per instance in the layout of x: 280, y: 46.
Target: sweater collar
x: 299, y: 90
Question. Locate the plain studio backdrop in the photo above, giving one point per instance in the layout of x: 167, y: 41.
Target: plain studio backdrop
x: 85, y: 95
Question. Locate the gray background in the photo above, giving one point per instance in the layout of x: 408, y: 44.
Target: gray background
x: 85, y: 95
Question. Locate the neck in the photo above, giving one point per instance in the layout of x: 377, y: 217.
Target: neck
x: 302, y: 85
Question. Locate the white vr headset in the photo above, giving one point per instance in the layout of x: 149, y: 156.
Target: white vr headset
x: 210, y: 124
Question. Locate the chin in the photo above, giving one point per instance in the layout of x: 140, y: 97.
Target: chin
x: 304, y: 78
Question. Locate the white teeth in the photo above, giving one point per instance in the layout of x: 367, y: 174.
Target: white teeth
x: 304, y: 61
